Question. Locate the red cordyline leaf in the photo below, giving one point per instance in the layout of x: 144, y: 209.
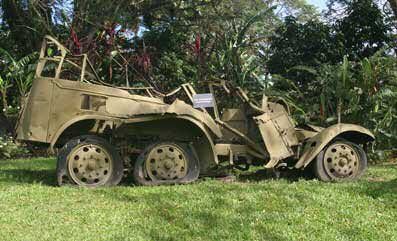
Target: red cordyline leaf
x: 76, y: 42
x: 322, y: 114
x: 197, y: 46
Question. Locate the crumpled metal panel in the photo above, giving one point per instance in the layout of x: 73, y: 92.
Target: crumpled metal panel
x: 278, y: 133
x: 276, y: 145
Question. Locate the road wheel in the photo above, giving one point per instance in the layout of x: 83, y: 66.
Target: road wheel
x: 89, y: 161
x: 340, y: 160
x: 166, y: 163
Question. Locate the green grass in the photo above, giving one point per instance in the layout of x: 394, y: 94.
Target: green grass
x: 33, y: 208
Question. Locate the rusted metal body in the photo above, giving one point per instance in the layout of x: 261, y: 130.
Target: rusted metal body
x: 63, y: 105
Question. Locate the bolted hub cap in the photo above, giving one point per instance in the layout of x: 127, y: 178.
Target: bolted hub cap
x: 341, y: 161
x: 166, y: 162
x: 89, y: 165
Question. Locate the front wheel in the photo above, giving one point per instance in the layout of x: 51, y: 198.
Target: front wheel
x: 166, y: 163
x: 341, y: 160
x: 89, y: 161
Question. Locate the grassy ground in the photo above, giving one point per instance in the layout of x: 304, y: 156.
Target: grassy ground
x: 33, y: 208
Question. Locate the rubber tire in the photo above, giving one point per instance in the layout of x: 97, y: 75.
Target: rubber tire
x: 63, y: 177
x: 319, y: 169
x: 191, y: 176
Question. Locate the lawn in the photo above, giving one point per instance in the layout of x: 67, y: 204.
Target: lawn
x: 33, y: 208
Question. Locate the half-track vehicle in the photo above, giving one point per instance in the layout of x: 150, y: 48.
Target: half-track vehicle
x: 102, y: 132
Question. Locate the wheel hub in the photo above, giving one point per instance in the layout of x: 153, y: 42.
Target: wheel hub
x: 341, y: 161
x: 166, y: 162
x: 89, y: 165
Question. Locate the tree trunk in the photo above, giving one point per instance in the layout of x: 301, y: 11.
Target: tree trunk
x: 393, y: 5
x: 4, y: 98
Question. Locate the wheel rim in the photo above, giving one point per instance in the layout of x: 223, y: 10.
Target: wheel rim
x: 90, y: 165
x: 166, y: 162
x: 341, y: 161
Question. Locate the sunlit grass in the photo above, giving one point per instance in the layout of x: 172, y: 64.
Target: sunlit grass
x: 33, y: 208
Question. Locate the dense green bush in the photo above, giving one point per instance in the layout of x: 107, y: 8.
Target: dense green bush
x: 8, y: 148
x: 343, y: 68
x: 363, y: 92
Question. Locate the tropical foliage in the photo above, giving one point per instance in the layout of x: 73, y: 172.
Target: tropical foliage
x: 18, y: 74
x: 338, y: 64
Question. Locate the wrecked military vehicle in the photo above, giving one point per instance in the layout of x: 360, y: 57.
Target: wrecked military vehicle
x: 102, y: 132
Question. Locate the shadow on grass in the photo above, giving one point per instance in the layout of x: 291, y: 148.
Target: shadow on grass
x: 381, y: 182
x: 48, y: 177
x: 381, y: 189
x: 45, y: 177
x: 262, y: 175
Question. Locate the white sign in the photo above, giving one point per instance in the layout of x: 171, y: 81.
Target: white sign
x: 203, y: 101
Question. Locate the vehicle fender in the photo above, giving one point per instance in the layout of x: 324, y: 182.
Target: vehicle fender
x: 182, y: 109
x: 354, y: 133
x: 207, y: 147
x: 69, y: 123
x: 204, y: 148
x: 211, y: 147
